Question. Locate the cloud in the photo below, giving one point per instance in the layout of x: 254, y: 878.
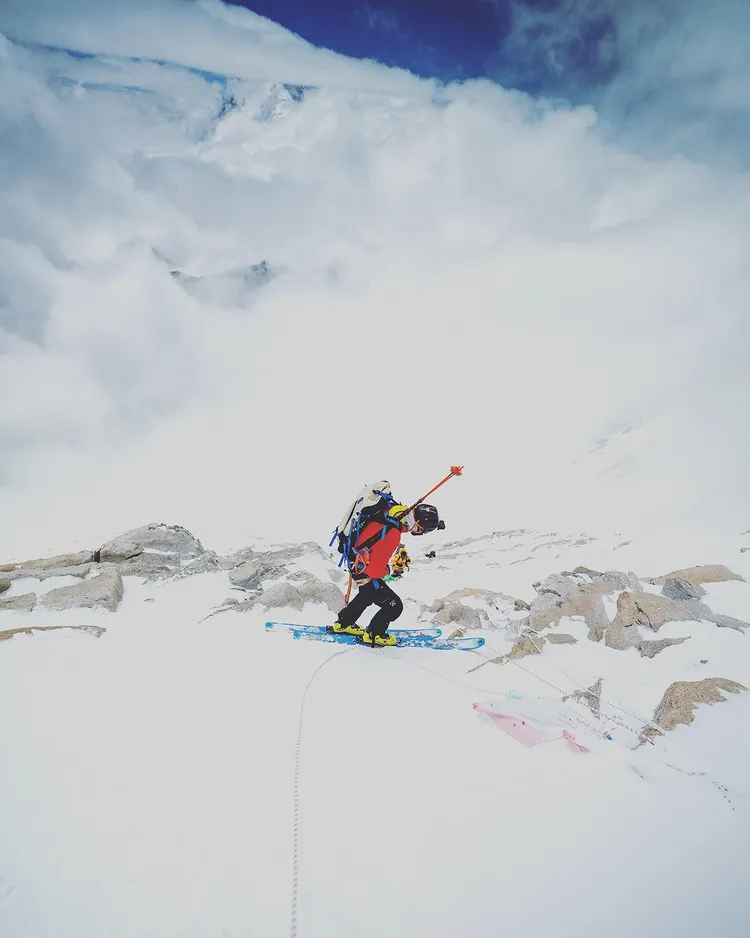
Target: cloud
x: 672, y: 75
x: 204, y: 34
x: 459, y: 273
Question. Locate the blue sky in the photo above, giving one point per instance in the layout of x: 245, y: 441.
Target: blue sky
x: 454, y: 39
x: 447, y: 39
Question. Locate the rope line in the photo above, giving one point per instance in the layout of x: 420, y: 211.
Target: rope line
x: 501, y: 695
x: 579, y: 686
x: 295, y: 796
x: 464, y: 685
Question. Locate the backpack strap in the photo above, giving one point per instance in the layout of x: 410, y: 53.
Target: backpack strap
x: 350, y: 550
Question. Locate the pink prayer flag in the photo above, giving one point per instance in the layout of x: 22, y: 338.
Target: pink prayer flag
x: 522, y: 730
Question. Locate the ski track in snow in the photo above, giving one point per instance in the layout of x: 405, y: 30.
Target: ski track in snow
x: 147, y: 781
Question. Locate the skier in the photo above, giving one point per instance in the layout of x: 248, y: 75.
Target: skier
x: 377, y: 544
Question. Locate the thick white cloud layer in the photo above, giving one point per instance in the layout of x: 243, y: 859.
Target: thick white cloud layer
x: 666, y: 74
x: 459, y: 274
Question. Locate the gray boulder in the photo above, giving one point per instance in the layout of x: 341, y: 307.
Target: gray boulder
x: 651, y: 649
x: 547, y: 610
x: 679, y: 589
x: 150, y: 565
x: 641, y: 608
x: 16, y: 570
x: 591, y: 697
x: 96, y: 630
x: 208, y: 563
x: 4, y: 584
x: 707, y: 573
x: 103, y: 591
x: 526, y: 645
x: 168, y: 539
x: 279, y: 596
x: 677, y: 706
x: 293, y: 595
x: 578, y: 593
x: 23, y: 603
x: 460, y: 615
x: 315, y: 591
x: 561, y: 638
x: 250, y: 574
x: 80, y: 571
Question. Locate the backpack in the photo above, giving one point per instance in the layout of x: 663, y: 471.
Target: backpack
x: 371, y: 504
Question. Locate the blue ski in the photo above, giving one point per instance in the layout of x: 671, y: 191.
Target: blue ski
x: 323, y: 629
x: 406, y: 638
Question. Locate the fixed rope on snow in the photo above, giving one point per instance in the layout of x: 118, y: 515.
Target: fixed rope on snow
x: 579, y: 686
x: 295, y: 796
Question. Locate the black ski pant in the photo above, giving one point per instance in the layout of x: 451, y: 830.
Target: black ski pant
x: 380, y: 594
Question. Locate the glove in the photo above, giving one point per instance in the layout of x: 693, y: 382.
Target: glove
x: 400, y: 562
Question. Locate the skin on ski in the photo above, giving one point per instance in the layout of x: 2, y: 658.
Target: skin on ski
x: 404, y: 641
x: 323, y: 629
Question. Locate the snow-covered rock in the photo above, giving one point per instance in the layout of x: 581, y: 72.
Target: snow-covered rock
x: 591, y: 696
x: 104, y: 590
x: 680, y: 700
x: 679, y: 589
x: 705, y: 573
x: 560, y: 638
x: 95, y: 630
x: 23, y: 603
x: 250, y: 574
x: 33, y: 568
x: 168, y: 539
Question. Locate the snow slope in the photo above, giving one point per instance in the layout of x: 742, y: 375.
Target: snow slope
x: 147, y: 784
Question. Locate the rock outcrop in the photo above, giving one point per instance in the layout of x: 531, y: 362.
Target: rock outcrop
x: 677, y: 706
x: 96, y: 630
x: 652, y: 611
x: 165, y: 539
x: 708, y: 573
x: 679, y: 589
x: 560, y: 638
x: 157, y: 551
x: 591, y: 697
x: 153, y: 551
x: 651, y: 649
x: 250, y: 574
x: 578, y: 593
x: 459, y: 615
x: 208, y: 563
x: 23, y: 603
x: 103, y: 591
x: 526, y: 645
x: 44, y: 567
x: 633, y: 610
x: 284, y: 594
x: 452, y: 610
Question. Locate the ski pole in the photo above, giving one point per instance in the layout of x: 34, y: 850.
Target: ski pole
x: 455, y: 471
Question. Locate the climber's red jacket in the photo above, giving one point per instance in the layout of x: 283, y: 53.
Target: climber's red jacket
x: 375, y: 563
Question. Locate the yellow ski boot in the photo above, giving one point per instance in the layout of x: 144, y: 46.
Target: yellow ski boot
x: 354, y: 629
x: 378, y: 641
